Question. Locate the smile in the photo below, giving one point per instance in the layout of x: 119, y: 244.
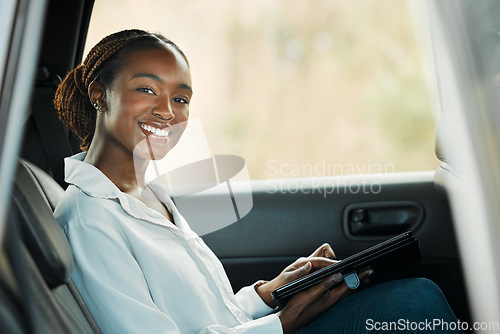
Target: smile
x: 159, y: 132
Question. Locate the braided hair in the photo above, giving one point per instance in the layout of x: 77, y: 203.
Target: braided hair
x: 103, y: 63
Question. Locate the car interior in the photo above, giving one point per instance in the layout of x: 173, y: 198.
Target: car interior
x: 37, y: 294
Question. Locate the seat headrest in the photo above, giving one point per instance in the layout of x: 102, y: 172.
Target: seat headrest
x: 51, y: 190
x: 43, y: 236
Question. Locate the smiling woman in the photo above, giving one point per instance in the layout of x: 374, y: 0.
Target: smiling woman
x: 157, y: 79
x: 132, y: 99
x: 78, y: 112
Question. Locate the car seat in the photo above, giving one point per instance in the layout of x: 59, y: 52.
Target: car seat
x: 38, y: 295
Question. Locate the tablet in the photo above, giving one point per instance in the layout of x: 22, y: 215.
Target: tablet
x: 399, y: 250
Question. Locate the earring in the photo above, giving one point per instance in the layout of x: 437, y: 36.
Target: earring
x: 98, y: 107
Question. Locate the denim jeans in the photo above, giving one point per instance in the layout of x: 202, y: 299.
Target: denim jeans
x: 414, y: 305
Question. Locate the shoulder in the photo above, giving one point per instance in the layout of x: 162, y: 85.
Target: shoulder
x: 91, y: 222
x: 78, y: 207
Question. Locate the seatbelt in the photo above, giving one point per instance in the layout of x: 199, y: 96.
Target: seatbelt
x: 86, y: 312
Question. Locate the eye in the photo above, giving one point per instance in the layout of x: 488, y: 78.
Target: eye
x: 146, y: 90
x: 180, y: 100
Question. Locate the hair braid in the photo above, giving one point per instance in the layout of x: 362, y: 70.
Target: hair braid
x: 72, y: 101
x: 107, y: 52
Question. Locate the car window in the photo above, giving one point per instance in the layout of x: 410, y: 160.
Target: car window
x: 300, y: 88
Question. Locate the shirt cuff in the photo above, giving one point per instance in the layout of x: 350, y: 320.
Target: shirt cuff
x: 250, y: 301
x: 269, y: 324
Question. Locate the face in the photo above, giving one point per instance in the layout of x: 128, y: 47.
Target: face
x: 147, y: 108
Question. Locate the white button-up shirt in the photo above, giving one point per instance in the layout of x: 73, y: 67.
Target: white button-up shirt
x: 139, y: 273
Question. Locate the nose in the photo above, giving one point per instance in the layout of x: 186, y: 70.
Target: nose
x: 164, y: 111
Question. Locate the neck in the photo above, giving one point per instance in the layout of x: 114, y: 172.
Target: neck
x: 120, y: 166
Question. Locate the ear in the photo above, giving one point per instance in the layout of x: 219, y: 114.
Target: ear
x: 97, y: 93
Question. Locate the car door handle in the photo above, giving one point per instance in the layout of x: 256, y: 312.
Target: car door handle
x: 382, y: 218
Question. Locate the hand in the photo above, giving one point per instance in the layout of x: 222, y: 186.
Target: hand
x: 308, y: 305
x: 320, y: 258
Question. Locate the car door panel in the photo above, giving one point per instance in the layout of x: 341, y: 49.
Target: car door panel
x: 294, y: 223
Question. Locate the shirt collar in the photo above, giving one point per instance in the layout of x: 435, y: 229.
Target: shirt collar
x: 160, y: 190
x: 88, y: 178
x: 93, y: 182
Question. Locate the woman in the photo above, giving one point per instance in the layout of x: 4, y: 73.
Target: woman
x: 138, y: 265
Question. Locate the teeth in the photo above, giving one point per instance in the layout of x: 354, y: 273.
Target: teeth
x: 157, y: 131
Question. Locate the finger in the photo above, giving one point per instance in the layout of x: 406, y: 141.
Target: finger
x: 300, y: 271
x: 324, y: 250
x: 305, y: 269
x: 343, y: 290
x: 328, y: 252
x: 337, y: 293
x: 311, y: 295
x: 365, y: 274
x: 318, y: 251
x: 318, y: 299
x: 330, y: 297
x: 321, y: 262
x: 300, y: 261
x: 326, y: 285
x: 333, y: 295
